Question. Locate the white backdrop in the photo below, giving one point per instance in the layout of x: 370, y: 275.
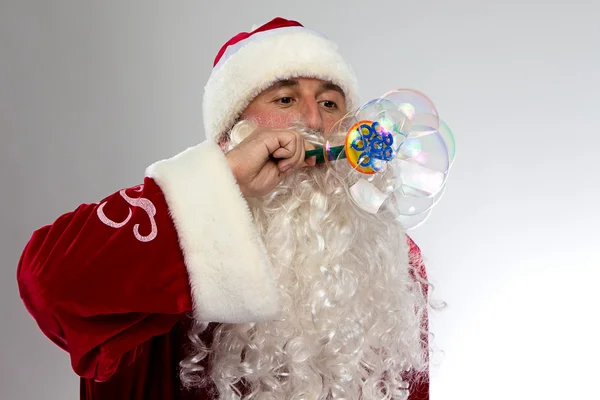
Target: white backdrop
x: 93, y: 92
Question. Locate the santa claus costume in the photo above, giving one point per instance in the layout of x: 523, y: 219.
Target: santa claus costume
x: 180, y: 288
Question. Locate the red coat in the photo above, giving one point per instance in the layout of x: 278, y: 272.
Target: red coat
x: 116, y: 283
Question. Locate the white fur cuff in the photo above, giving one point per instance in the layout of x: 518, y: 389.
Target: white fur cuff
x: 229, y: 270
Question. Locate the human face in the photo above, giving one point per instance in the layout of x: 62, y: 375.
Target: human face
x: 315, y: 103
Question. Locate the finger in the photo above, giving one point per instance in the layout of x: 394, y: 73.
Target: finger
x: 299, y: 154
x: 290, y: 159
x: 297, y: 158
x: 310, y: 161
x: 282, y: 144
x: 286, y: 166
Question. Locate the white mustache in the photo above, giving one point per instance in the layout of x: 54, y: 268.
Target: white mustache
x: 244, y: 128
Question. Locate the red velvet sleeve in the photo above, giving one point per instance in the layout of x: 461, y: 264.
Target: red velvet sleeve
x: 419, y: 389
x: 103, y: 279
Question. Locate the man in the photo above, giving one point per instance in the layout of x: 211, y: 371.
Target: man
x: 238, y: 268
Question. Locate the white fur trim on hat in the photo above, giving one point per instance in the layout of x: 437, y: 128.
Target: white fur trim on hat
x: 257, y: 62
x: 229, y: 270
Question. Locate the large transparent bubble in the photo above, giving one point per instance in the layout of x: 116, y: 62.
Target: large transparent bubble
x: 393, y: 156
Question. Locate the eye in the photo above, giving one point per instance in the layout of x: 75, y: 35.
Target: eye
x: 330, y: 104
x: 285, y: 100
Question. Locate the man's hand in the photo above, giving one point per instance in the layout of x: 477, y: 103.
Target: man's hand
x: 265, y: 157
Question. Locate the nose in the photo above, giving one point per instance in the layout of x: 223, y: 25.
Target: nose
x: 312, y: 115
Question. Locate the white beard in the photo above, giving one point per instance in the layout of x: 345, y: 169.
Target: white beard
x: 352, y: 311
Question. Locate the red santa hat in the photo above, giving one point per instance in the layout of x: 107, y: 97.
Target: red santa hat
x: 250, y: 62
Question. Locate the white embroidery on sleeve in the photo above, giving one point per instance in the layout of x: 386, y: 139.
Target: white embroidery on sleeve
x: 142, y: 203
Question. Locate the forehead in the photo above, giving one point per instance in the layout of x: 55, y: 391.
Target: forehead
x: 305, y: 83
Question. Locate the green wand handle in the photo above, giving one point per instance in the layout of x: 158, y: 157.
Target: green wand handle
x: 335, y: 152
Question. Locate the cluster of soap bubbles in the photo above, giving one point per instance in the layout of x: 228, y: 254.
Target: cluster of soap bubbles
x: 393, y: 155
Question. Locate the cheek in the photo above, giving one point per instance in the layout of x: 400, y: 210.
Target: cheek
x: 274, y: 119
x: 330, y: 121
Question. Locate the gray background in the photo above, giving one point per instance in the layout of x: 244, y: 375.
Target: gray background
x: 93, y: 92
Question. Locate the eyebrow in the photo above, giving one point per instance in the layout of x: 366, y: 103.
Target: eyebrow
x: 325, y: 86
x: 283, y: 83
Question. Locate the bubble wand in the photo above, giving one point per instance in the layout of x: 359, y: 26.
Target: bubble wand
x: 337, y: 152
